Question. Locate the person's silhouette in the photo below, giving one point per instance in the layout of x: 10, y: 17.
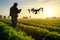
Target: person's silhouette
x: 14, y: 14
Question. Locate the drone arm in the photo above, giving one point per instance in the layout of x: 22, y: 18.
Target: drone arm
x: 35, y: 12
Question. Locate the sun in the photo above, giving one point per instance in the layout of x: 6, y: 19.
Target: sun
x: 48, y: 11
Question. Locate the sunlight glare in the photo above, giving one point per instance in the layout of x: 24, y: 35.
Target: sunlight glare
x: 48, y: 12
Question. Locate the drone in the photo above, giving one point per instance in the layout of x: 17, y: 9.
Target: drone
x: 33, y: 10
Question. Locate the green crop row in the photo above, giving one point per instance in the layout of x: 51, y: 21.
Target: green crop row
x: 41, y: 29
x: 44, y: 22
x: 9, y: 33
x: 32, y: 23
x: 39, y: 33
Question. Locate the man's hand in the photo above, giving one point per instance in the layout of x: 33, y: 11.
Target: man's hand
x: 19, y: 10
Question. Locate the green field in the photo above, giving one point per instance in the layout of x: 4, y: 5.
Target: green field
x: 38, y: 29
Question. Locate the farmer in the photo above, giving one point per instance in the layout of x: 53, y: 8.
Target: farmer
x: 14, y: 14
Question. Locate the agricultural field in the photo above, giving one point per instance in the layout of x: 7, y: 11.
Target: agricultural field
x: 9, y: 33
x: 37, y: 29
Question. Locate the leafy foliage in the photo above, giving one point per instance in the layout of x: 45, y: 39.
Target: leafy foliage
x: 40, y: 29
x: 8, y: 33
x: 39, y: 33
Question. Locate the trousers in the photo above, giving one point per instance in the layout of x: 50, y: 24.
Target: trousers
x: 14, y: 21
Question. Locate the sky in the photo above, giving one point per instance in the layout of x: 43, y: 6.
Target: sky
x: 51, y: 8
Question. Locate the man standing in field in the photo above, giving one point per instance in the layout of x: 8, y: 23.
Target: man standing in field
x: 14, y: 14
